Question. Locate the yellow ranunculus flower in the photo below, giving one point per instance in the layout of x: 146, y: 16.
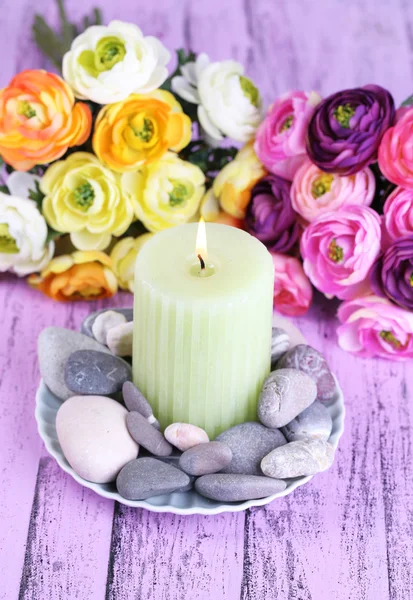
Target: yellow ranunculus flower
x: 77, y: 276
x: 165, y: 193
x: 139, y: 130
x: 123, y: 257
x: 210, y: 211
x: 84, y: 198
x: 233, y: 184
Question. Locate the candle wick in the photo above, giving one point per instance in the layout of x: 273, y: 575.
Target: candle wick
x: 201, y: 260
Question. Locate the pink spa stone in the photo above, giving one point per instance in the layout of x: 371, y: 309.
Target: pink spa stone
x: 94, y: 438
x: 184, y: 435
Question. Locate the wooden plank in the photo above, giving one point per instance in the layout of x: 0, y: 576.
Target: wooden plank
x: 328, y: 46
x: 395, y: 402
x: 21, y: 318
x: 169, y: 557
x: 327, y: 540
x: 25, y: 313
x: 67, y: 544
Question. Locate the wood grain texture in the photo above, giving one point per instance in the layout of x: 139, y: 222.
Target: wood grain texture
x: 348, y: 534
x: 169, y: 557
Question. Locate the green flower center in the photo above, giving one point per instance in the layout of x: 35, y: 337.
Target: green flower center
x: 343, y: 114
x: 388, y: 337
x: 321, y: 185
x: 287, y: 123
x: 335, y: 252
x: 411, y: 279
x: 7, y: 242
x: 26, y: 109
x: 84, y: 195
x: 145, y: 133
x: 249, y: 90
x: 182, y: 191
x: 108, y: 52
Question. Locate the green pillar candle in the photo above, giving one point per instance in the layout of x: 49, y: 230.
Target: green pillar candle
x: 202, y: 325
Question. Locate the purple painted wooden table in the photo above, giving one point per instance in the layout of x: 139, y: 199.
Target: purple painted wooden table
x: 345, y: 535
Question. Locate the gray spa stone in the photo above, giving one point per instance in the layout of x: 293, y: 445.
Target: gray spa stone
x: 135, y: 401
x: 206, y: 458
x: 55, y: 345
x: 297, y: 459
x: 314, y: 422
x: 147, y: 436
x: 284, y: 395
x: 146, y: 477
x: 93, y: 373
x: 249, y: 443
x: 280, y: 342
x: 310, y: 361
x: 234, y: 488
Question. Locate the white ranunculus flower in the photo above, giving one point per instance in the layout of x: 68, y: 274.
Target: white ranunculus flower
x: 23, y: 230
x: 229, y: 104
x: 106, y: 64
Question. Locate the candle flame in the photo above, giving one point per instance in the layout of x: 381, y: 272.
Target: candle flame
x: 201, y: 241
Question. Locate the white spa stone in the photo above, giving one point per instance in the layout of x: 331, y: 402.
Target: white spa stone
x: 94, y: 437
x: 105, y: 321
x: 119, y: 339
x: 184, y: 435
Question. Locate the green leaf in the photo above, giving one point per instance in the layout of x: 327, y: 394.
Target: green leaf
x: 52, y: 234
x: 48, y: 41
x: 408, y: 101
x: 37, y: 195
x: 4, y: 189
x: 55, y: 44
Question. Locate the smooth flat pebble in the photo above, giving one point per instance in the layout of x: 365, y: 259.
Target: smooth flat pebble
x: 147, y: 436
x: 145, y: 477
x: 235, y: 488
x: 135, y: 401
x: 105, y: 321
x: 284, y: 395
x: 94, y: 438
x: 86, y: 327
x: 310, y: 361
x: 55, y: 345
x: 89, y: 372
x: 206, y: 458
x: 184, y: 435
x: 280, y: 343
x: 249, y: 443
x: 173, y: 460
x: 297, y: 459
x: 314, y: 422
x: 120, y: 339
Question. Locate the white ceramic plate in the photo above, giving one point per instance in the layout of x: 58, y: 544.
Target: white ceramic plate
x: 181, y: 503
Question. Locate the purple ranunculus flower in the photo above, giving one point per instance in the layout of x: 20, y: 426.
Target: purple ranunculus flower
x: 270, y: 216
x: 392, y: 275
x: 346, y: 129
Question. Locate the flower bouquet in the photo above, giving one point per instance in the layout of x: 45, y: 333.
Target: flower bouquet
x: 98, y: 159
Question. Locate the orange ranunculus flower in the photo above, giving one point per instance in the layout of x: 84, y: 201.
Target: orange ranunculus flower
x: 39, y: 120
x: 140, y: 130
x: 78, y: 276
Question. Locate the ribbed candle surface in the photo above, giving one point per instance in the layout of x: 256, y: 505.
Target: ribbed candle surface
x: 202, y: 344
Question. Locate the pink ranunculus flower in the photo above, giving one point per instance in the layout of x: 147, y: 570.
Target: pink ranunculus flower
x: 292, y: 290
x: 398, y: 214
x: 339, y: 249
x: 315, y: 192
x: 372, y: 326
x: 280, y: 139
x: 395, y: 152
